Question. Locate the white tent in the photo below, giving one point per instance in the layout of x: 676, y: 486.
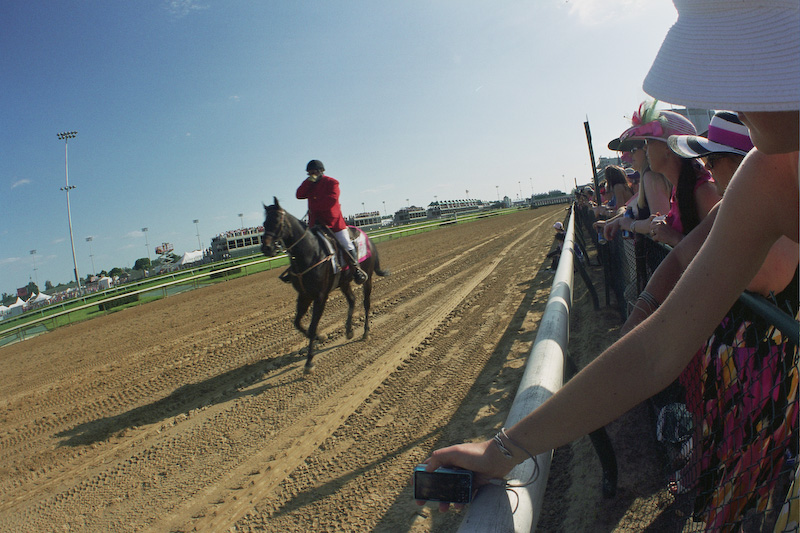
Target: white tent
x: 41, y: 297
x: 191, y: 257
x: 104, y: 283
x: 16, y: 308
x: 29, y: 303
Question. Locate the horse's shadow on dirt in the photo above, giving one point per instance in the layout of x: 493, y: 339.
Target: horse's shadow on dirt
x: 236, y: 383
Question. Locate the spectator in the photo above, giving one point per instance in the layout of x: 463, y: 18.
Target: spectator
x: 727, y: 143
x: 633, y: 181
x: 762, y: 78
x: 693, y: 190
x: 617, y: 181
x: 555, y: 254
x: 715, y: 388
x: 655, y: 190
x: 620, y: 194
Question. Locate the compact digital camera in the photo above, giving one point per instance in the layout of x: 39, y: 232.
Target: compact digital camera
x: 443, y: 485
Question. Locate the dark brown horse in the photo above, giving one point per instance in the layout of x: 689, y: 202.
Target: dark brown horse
x: 312, y: 273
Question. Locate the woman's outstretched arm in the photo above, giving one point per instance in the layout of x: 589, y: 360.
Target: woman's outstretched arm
x: 653, y: 354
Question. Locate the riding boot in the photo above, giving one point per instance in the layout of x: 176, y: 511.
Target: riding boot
x: 359, y: 276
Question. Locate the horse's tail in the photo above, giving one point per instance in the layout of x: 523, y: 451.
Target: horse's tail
x: 378, y: 270
x: 377, y: 266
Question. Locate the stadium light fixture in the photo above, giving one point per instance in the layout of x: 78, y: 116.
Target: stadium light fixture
x: 196, y: 222
x: 146, y: 244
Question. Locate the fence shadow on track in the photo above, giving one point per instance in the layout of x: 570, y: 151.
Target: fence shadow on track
x: 537, y: 291
x: 236, y: 383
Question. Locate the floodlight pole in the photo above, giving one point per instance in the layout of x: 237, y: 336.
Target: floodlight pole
x: 35, y: 274
x: 65, y: 136
x: 146, y: 243
x: 91, y: 253
x: 196, y: 222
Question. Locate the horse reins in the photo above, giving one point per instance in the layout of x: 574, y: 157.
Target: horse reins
x: 281, y: 224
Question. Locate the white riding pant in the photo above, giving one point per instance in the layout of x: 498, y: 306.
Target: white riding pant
x: 344, y: 239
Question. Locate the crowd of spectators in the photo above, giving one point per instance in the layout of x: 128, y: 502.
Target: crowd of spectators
x: 241, y: 232
x: 731, y: 220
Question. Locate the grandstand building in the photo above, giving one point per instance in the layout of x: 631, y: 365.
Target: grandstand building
x: 410, y: 214
x: 450, y: 208
x: 236, y: 243
x: 365, y: 221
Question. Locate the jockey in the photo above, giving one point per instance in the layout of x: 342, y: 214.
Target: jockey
x: 322, y: 193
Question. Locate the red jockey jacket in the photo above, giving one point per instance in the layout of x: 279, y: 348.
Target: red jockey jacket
x: 323, y: 202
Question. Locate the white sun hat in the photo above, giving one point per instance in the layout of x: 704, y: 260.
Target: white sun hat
x: 730, y: 54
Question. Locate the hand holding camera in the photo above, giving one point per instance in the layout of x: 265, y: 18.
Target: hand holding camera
x: 452, y: 485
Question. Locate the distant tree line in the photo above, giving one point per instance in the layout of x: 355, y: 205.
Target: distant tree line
x: 143, y: 263
x: 549, y: 194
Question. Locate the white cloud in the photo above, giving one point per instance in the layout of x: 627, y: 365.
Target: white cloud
x: 9, y: 260
x: 20, y: 183
x: 181, y: 8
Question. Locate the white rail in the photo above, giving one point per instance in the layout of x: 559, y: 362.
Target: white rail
x: 496, y: 509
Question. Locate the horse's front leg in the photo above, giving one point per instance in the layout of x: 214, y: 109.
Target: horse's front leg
x: 316, y: 314
x: 351, y: 304
x: 303, y: 302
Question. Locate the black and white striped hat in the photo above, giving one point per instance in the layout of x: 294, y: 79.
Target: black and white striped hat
x: 726, y: 134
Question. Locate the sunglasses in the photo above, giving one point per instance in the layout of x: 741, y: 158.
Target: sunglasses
x: 712, y: 159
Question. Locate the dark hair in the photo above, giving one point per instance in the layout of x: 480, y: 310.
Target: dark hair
x: 684, y: 194
x: 615, y: 176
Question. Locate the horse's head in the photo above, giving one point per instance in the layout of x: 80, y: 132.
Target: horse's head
x: 274, y: 228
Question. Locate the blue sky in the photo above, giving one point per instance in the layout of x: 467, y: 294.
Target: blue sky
x: 203, y: 109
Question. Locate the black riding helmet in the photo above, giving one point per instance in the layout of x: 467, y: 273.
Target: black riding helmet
x: 315, y: 164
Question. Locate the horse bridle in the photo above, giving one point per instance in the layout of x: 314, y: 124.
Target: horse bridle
x: 281, y: 225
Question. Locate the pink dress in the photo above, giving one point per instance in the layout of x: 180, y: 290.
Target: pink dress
x: 673, y: 219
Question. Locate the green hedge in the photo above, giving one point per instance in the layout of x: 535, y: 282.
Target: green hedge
x: 119, y: 301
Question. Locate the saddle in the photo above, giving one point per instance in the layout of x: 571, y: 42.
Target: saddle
x: 329, y: 243
x: 332, y: 248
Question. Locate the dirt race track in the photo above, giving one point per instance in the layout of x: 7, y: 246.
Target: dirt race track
x: 193, y: 414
